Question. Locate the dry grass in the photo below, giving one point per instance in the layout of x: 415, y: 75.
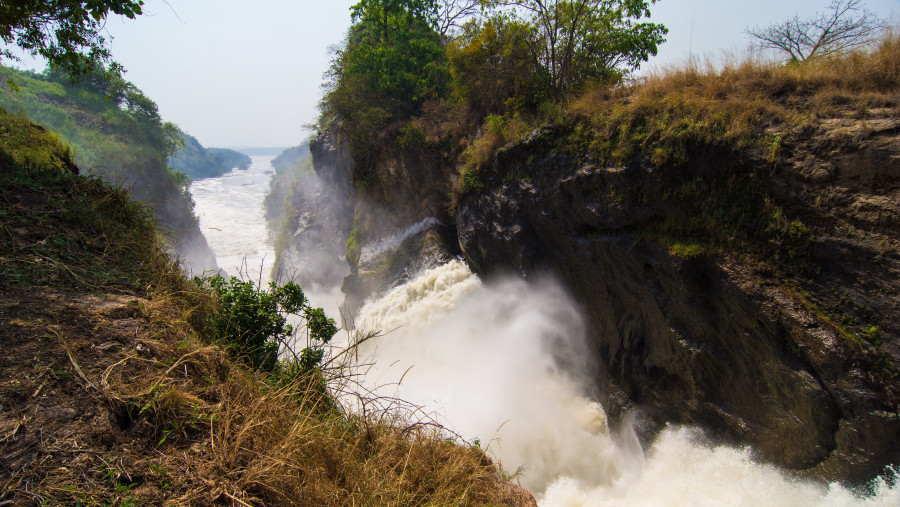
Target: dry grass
x: 740, y: 104
x: 230, y: 436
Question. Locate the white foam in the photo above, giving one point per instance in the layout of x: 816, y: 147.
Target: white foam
x: 486, y: 359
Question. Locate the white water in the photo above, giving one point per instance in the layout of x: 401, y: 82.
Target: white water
x: 393, y: 241
x: 484, y: 360
x: 230, y: 209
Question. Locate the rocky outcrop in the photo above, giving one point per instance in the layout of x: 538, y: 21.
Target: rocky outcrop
x: 320, y: 216
x: 787, y: 341
x: 398, y: 220
x: 714, y: 338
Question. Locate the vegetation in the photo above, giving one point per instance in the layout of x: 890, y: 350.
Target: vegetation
x: 252, y: 323
x: 91, y: 236
x: 115, y: 132
x: 574, y: 41
x: 392, y: 62
x: 65, y: 32
x: 198, y: 162
x: 744, y: 104
x: 403, y: 58
x: 100, y: 322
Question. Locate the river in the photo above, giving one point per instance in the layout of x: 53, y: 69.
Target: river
x: 484, y: 360
x: 230, y: 209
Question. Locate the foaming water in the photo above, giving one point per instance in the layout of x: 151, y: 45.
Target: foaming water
x: 230, y: 209
x: 506, y: 364
x: 393, y: 241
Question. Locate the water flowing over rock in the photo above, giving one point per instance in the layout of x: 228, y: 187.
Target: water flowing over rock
x: 706, y: 339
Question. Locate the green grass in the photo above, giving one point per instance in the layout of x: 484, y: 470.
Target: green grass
x: 101, y: 239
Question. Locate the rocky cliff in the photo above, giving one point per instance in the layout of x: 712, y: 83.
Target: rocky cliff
x: 723, y: 339
x: 751, y: 294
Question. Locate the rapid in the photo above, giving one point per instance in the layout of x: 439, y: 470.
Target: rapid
x: 505, y: 366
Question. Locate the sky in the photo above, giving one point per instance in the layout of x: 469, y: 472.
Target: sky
x: 248, y: 74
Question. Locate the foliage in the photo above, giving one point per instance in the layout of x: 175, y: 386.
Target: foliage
x: 99, y: 239
x: 115, y: 132
x: 65, y: 32
x: 353, y: 249
x: 575, y: 41
x: 252, y: 323
x: 491, y: 62
x: 846, y: 25
x: 392, y: 62
x: 411, y: 137
x: 736, y: 104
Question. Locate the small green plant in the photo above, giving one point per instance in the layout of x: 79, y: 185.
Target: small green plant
x: 470, y: 180
x: 872, y: 334
x: 774, y: 149
x: 352, y: 246
x: 800, y: 241
x: 411, y: 136
x: 686, y: 250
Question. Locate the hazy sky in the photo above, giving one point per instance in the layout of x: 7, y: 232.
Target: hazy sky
x: 237, y: 73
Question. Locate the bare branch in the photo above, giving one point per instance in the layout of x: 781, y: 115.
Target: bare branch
x: 845, y: 26
x: 453, y: 13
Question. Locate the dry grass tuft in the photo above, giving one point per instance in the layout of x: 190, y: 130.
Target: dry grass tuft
x: 260, y: 445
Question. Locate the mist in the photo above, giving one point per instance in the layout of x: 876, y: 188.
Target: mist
x: 506, y: 366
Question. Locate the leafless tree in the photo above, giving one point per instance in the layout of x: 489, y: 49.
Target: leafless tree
x: 453, y: 13
x: 845, y: 25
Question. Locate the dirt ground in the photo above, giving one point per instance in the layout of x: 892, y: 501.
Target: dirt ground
x: 62, y: 440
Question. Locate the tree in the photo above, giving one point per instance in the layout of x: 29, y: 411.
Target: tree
x: 578, y: 40
x: 846, y: 25
x: 65, y: 32
x: 392, y: 62
x: 491, y: 62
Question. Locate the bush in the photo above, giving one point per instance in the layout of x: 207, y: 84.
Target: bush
x: 252, y: 324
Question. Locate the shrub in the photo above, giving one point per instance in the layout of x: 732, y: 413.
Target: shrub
x: 252, y: 323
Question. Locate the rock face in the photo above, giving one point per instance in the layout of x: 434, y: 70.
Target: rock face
x: 321, y: 216
x: 711, y: 340
x: 803, y: 367
x: 398, y: 215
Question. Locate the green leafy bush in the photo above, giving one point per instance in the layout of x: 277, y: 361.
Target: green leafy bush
x: 252, y: 324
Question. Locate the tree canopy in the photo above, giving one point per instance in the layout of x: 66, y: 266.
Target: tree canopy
x: 492, y: 55
x: 393, y: 60
x: 578, y: 40
x: 65, y: 32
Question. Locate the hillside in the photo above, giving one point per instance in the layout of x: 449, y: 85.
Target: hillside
x: 198, y: 162
x: 731, y: 234
x: 116, y: 390
x: 115, y: 132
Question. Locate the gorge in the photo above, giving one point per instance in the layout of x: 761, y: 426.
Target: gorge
x: 655, y: 336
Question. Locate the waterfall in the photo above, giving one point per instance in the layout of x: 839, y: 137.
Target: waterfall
x: 505, y: 364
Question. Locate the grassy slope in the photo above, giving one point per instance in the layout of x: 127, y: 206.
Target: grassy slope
x: 106, y: 141
x: 109, y: 395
